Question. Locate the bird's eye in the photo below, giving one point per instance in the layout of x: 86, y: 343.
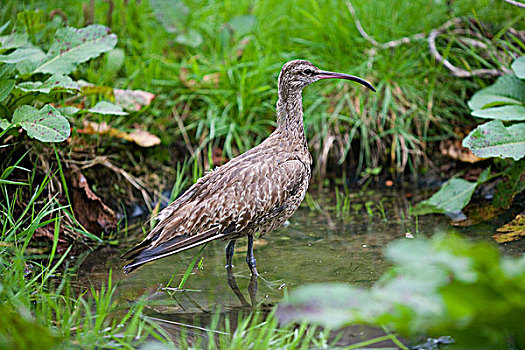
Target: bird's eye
x: 307, y: 72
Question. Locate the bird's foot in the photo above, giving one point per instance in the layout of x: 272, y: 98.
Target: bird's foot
x: 229, y: 266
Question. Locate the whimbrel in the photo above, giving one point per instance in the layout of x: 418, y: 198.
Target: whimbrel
x: 251, y: 194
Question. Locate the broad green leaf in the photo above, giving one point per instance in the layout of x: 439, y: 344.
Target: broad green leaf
x: 446, y: 285
x: 484, y: 176
x: 173, y: 16
x: 493, y: 139
x: 507, y: 89
x: 5, y: 88
x: 7, y: 70
x: 13, y: 41
x: 492, y: 100
x: 73, y: 46
x: 242, y: 25
x: 46, y: 125
x: 104, y: 107
x: 518, y: 66
x: 68, y: 110
x: 509, y: 112
x: 171, y: 13
x: 55, y: 81
x: 4, y: 124
x: 191, y: 38
x: 509, y: 187
x: 115, y: 60
x: 24, y: 54
x: 332, y: 305
x: 453, y: 196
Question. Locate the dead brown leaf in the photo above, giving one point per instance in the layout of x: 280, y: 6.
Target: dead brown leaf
x: 511, y: 231
x: 241, y: 47
x: 209, y: 80
x: 454, y: 150
x: 133, y: 99
x: 138, y: 136
x: 89, y: 209
x: 47, y: 232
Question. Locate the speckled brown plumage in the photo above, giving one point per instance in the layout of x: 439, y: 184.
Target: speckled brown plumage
x: 253, y: 193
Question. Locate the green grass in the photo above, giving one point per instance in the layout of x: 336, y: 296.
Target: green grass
x: 260, y: 331
x: 418, y: 102
x: 223, y: 93
x: 40, y: 307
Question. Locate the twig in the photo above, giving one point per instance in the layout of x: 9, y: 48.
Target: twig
x: 135, y: 182
x: 182, y: 129
x: 404, y: 40
x: 515, y: 3
x: 457, y: 72
x: 358, y: 25
x: 377, y: 46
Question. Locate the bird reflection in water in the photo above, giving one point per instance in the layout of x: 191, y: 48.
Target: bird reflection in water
x: 252, y: 288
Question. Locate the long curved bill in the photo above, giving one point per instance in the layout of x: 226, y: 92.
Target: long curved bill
x: 333, y: 75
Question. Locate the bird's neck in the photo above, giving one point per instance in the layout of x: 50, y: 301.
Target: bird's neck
x: 290, y: 115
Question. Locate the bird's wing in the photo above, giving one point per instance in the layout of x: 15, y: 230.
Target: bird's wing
x: 232, y: 200
x: 223, y: 202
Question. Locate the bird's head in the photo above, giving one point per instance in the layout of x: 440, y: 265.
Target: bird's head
x: 297, y: 74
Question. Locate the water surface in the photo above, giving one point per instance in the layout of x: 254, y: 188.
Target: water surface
x: 317, y: 245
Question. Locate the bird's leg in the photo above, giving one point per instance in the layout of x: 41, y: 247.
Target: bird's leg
x: 229, y: 253
x: 250, y: 258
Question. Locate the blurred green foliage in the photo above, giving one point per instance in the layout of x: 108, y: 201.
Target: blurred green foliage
x: 440, y: 286
x: 503, y: 101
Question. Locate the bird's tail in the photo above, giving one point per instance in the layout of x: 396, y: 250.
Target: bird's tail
x: 144, y: 253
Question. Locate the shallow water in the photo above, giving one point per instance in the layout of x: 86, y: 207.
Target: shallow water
x: 316, y: 246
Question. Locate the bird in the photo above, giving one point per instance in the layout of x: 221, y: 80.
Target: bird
x: 251, y: 194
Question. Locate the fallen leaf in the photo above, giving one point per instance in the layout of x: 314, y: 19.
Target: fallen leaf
x: 140, y: 137
x: 209, y: 80
x: 511, y: 231
x: 94, y: 128
x: 241, y: 47
x: 47, y: 232
x: 454, y: 150
x: 89, y: 209
x: 133, y: 99
x: 91, y: 89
